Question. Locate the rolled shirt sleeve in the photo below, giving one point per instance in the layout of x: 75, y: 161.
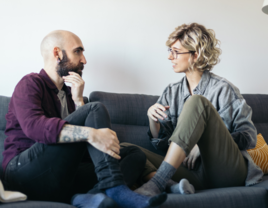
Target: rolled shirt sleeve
x: 166, y: 127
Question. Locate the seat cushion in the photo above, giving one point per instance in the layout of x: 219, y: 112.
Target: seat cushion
x: 221, y: 198
x: 35, y: 204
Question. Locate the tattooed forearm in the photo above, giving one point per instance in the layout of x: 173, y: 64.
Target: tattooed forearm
x: 71, y: 133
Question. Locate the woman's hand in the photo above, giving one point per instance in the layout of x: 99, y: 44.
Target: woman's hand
x: 156, y: 111
x: 192, y: 157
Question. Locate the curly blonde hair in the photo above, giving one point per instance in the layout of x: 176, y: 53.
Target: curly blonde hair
x: 197, y: 38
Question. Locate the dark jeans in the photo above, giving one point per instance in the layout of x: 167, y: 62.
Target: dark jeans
x: 56, y: 172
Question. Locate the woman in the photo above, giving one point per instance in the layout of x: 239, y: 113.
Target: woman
x: 202, y: 116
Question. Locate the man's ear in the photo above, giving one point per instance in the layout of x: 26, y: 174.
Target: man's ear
x: 57, y: 53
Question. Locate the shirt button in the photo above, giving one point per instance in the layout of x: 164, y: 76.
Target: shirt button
x: 19, y: 163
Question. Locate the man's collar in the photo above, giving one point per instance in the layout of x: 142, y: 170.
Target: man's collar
x: 51, y: 85
x: 200, y: 88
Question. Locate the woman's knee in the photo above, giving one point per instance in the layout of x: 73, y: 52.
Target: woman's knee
x: 198, y: 100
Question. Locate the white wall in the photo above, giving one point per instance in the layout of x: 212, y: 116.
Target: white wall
x: 125, y: 40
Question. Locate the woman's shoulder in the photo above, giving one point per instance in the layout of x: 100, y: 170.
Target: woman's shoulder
x: 223, y: 87
x: 174, y: 86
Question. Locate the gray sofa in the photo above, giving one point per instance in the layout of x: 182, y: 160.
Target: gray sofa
x: 129, y: 119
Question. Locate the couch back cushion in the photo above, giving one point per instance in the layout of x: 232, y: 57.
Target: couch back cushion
x: 259, y: 105
x: 4, y: 102
x: 129, y: 120
x: 129, y: 114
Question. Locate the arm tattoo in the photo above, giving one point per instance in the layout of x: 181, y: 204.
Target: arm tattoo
x: 71, y: 133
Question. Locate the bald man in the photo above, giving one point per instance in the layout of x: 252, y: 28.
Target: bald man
x: 50, y: 131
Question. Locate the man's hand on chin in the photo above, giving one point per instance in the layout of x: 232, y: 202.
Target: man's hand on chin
x: 77, y: 87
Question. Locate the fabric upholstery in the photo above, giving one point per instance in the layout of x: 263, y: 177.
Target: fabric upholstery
x: 259, y: 154
x: 4, y: 102
x: 128, y: 109
x: 135, y: 135
x: 264, y: 183
x: 221, y: 198
x: 35, y: 204
x: 129, y: 119
x: 259, y: 105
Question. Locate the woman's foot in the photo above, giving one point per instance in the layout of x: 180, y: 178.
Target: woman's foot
x: 183, y: 187
x: 157, y: 184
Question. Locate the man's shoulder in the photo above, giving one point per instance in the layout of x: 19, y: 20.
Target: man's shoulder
x: 30, y: 83
x: 31, y: 78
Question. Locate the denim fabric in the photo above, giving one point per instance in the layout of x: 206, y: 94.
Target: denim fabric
x: 49, y: 172
x: 229, y: 103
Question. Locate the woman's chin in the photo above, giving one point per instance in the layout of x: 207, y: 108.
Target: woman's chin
x: 178, y: 70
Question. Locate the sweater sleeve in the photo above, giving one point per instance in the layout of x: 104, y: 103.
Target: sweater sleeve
x: 27, y: 102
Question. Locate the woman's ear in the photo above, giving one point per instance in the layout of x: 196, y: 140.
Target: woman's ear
x: 195, y: 56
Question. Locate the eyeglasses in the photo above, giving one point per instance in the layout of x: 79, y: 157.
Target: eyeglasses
x: 175, y: 53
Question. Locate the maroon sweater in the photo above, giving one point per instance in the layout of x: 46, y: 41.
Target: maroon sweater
x: 34, y: 114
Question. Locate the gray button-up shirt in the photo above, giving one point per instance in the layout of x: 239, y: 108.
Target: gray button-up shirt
x: 229, y: 103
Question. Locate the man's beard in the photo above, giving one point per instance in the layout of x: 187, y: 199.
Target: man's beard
x: 65, y: 66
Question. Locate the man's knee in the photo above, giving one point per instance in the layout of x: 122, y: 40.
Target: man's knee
x: 96, y: 105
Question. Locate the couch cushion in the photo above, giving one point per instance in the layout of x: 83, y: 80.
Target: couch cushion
x: 36, y: 204
x: 221, y: 198
x: 128, y: 109
x: 259, y: 105
x: 135, y: 135
x: 131, y: 109
x: 4, y: 102
x: 2, y: 138
x: 264, y: 183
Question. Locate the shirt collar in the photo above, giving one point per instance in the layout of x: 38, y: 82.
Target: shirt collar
x: 51, y: 85
x: 200, y: 88
x: 186, y: 92
x: 203, y: 83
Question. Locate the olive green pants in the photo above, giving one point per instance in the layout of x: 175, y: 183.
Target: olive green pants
x: 221, y: 164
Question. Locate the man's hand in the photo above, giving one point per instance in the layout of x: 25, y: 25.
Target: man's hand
x: 106, y: 141
x: 77, y: 87
x: 157, y: 111
x: 192, y: 157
